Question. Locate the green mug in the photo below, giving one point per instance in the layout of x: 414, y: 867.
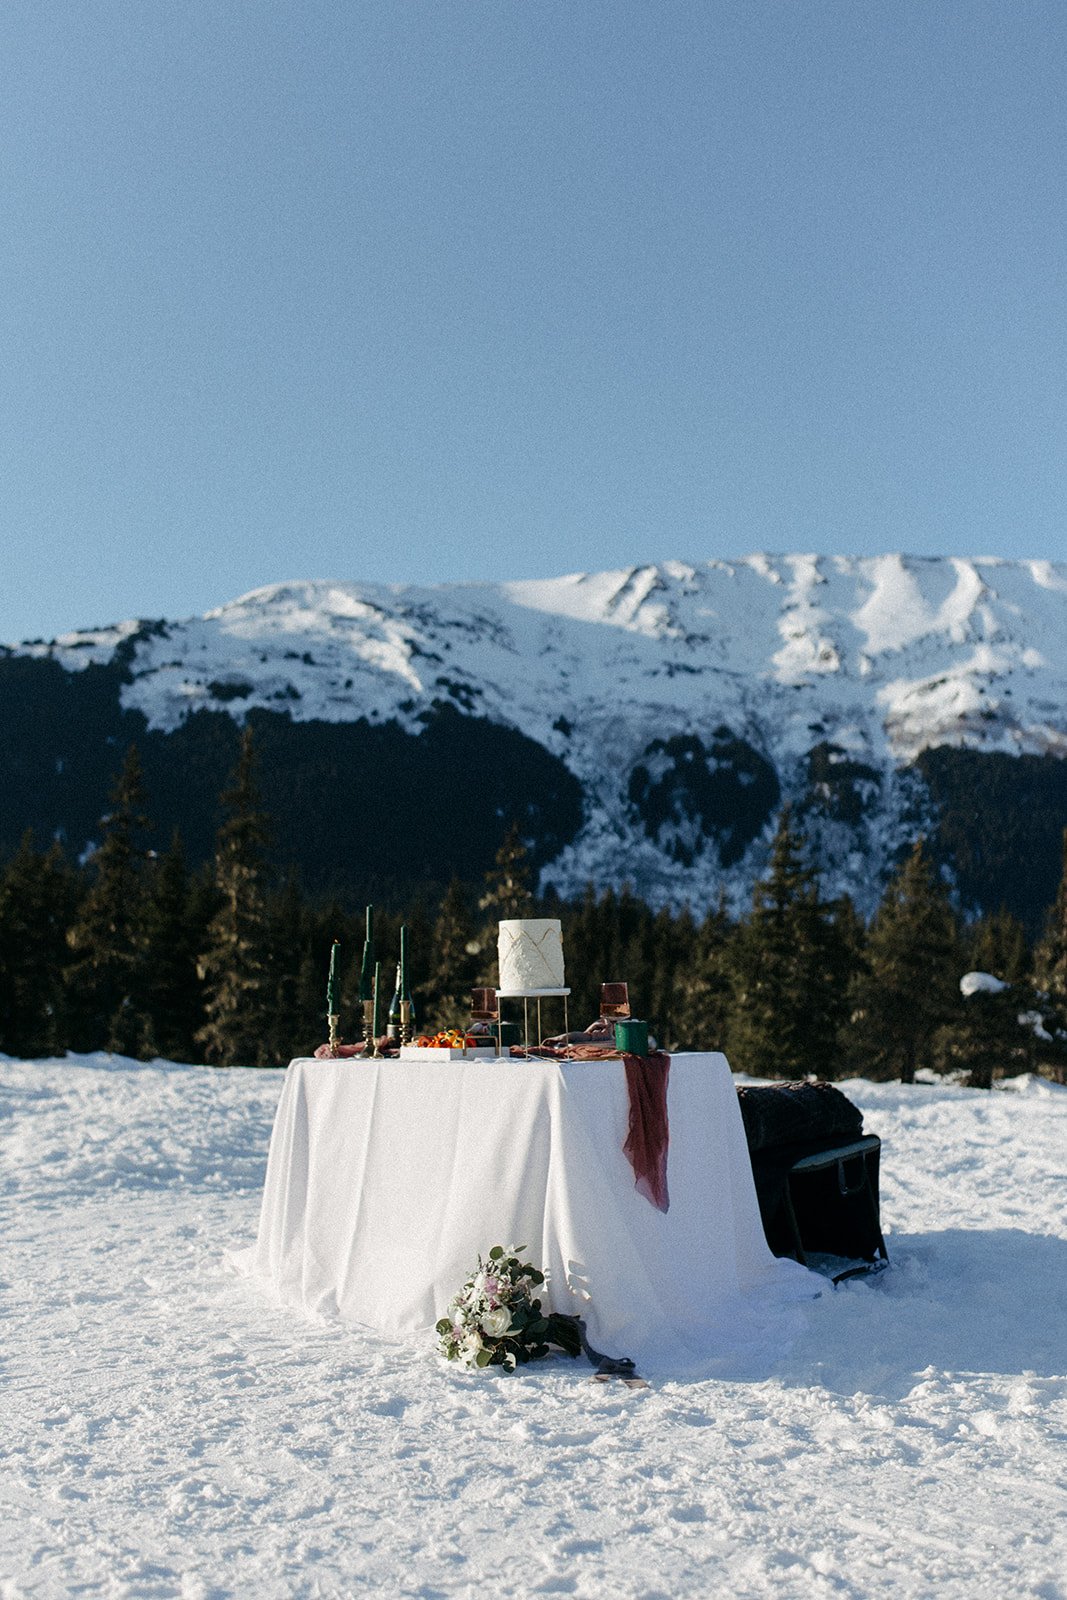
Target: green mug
x: 631, y: 1036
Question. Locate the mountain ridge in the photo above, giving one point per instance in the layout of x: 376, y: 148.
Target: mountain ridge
x: 687, y: 699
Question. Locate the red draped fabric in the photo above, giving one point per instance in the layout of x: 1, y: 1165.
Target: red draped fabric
x: 649, y: 1131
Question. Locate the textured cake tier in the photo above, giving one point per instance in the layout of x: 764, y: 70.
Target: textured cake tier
x: 530, y: 951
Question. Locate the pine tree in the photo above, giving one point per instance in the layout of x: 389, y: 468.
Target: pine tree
x: 790, y: 972
x: 1050, y: 957
x: 984, y: 1039
x: 910, y: 987
x: 443, y: 999
x: 702, y: 982
x: 665, y: 954
x: 289, y: 939
x: 308, y: 1027
x: 168, y: 937
x: 507, y: 891
x: 997, y: 943
x: 505, y: 894
x: 105, y: 977
x: 236, y: 964
x: 38, y: 897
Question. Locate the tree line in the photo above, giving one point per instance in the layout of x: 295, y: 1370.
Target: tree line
x: 132, y: 952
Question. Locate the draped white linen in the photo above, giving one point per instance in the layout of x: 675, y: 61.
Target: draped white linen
x: 386, y: 1180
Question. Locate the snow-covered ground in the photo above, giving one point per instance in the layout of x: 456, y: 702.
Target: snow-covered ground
x: 167, y: 1431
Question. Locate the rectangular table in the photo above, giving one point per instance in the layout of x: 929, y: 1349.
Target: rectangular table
x: 387, y: 1179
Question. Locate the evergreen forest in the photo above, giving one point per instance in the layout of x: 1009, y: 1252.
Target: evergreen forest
x: 135, y: 951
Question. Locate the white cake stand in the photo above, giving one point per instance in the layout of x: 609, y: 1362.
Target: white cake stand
x: 526, y: 995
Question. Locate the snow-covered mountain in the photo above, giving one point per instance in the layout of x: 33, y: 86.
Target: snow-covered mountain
x: 687, y: 699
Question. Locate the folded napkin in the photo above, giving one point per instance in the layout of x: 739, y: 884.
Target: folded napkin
x: 649, y: 1131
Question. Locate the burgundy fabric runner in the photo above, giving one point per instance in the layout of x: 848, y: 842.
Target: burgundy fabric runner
x: 649, y: 1131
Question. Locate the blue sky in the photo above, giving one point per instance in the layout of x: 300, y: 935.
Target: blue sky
x: 420, y: 290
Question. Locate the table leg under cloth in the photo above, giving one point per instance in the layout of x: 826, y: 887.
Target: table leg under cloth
x: 387, y: 1179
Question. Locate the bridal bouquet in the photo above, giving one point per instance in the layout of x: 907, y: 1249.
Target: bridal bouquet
x: 495, y: 1319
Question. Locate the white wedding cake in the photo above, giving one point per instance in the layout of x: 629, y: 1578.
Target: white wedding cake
x: 530, y: 951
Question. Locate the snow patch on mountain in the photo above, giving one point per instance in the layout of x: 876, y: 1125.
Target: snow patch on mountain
x: 873, y: 659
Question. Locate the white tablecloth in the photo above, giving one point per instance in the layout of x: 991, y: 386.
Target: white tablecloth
x: 386, y: 1180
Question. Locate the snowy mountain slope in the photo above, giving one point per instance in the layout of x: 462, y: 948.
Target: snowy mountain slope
x: 687, y: 699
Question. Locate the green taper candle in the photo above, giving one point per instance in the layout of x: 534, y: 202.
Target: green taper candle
x: 374, y: 1013
x: 331, y: 981
x: 366, y: 971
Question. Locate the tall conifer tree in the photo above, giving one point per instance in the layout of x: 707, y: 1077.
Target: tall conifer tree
x: 1050, y: 957
x: 702, y: 979
x: 997, y: 944
x: 507, y: 883
x: 38, y: 895
x: 105, y: 977
x: 169, y: 939
x: 910, y: 987
x: 506, y: 894
x: 236, y: 964
x: 790, y: 968
x: 456, y: 955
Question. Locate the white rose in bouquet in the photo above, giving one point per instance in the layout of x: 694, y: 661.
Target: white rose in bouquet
x: 496, y: 1323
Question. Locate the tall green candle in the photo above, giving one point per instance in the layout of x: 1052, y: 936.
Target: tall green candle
x: 403, y: 984
x: 331, y: 981
x: 374, y: 1013
x: 366, y: 971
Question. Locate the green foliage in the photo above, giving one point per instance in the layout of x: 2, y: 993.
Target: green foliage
x: 39, y: 895
x: 1050, y: 957
x: 104, y: 980
x: 997, y: 943
x: 838, y: 787
x: 364, y: 811
x: 237, y: 963
x: 686, y: 793
x: 909, y: 987
x: 507, y: 883
x: 360, y: 810
x: 455, y: 958
x: 984, y: 1039
x: 136, y: 952
x: 495, y: 1320
x: 791, y: 967
x: 167, y: 938
x: 999, y: 825
x: 62, y: 739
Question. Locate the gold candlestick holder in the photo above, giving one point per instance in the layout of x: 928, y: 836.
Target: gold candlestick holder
x: 405, y: 1022
x: 370, y: 1043
x: 335, y: 1038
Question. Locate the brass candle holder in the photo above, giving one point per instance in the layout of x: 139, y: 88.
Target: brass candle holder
x: 335, y: 1038
x: 370, y: 1043
x: 406, y: 1029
